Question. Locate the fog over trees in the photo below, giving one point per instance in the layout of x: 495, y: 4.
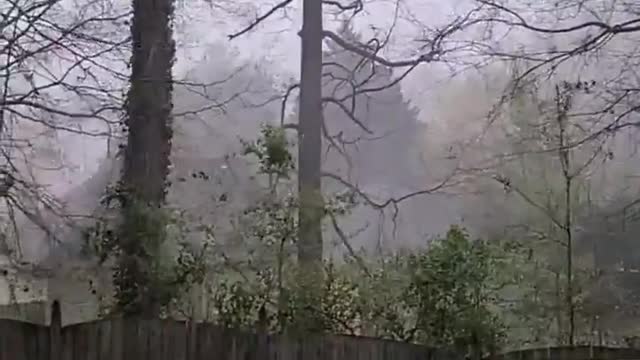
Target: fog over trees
x: 458, y: 175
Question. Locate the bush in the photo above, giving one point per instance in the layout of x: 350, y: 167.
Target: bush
x: 452, y: 291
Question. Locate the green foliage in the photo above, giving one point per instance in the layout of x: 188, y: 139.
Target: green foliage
x: 452, y: 287
x: 236, y: 304
x: 147, y: 275
x: 260, y: 301
x: 273, y: 222
x: 441, y: 297
x: 333, y: 310
x: 385, y: 311
x: 395, y: 300
x: 272, y: 151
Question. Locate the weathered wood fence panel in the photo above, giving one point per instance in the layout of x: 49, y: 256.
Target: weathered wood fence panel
x: 23, y: 341
x: 139, y: 339
x: 571, y: 353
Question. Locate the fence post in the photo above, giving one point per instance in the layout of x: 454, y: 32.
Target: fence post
x: 55, y: 332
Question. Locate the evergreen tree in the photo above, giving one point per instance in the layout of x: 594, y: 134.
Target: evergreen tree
x: 378, y: 130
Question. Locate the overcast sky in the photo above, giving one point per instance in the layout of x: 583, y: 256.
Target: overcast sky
x: 276, y: 46
x: 276, y: 42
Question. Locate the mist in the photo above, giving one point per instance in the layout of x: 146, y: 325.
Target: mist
x: 244, y: 82
x: 518, y: 133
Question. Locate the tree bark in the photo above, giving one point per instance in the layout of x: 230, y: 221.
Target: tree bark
x: 149, y: 104
x: 310, y: 153
x: 310, y: 137
x: 146, y: 155
x: 563, y: 102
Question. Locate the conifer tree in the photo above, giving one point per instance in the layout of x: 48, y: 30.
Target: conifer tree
x: 378, y: 130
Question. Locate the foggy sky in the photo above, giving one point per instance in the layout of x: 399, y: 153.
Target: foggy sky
x: 275, y: 46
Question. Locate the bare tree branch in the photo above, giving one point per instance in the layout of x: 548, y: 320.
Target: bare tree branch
x: 57, y: 63
x: 260, y: 19
x: 628, y: 26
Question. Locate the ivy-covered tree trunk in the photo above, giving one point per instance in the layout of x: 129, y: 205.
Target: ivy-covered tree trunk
x: 309, y: 158
x: 146, y: 162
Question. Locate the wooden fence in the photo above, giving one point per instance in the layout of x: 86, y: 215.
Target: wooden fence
x: 138, y: 339
x: 571, y: 353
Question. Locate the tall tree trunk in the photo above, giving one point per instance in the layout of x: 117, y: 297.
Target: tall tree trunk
x: 146, y: 162
x: 149, y: 102
x: 565, y: 161
x: 309, y: 155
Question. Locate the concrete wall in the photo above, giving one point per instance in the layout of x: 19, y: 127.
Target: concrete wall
x: 22, y: 296
x: 80, y: 291
x: 19, y: 287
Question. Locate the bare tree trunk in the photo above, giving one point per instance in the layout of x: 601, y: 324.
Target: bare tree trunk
x: 310, y: 151
x: 146, y: 162
x: 571, y: 309
x: 562, y: 108
x: 558, y: 310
